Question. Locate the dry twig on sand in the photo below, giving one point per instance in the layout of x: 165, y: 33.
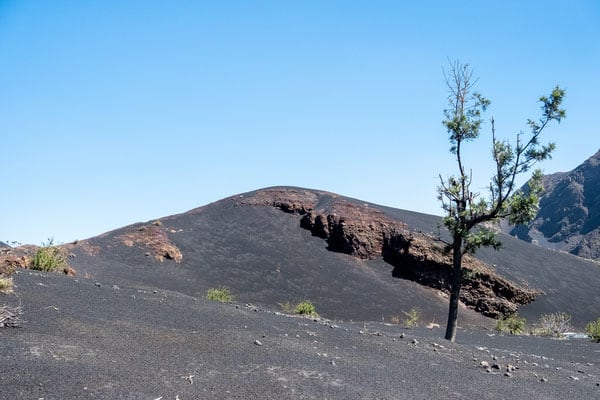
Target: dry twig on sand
x: 10, y: 316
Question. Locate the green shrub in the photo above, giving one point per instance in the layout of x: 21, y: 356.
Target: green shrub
x: 412, y: 317
x: 49, y: 258
x: 555, y: 324
x: 221, y: 294
x: 593, y: 330
x: 305, y: 307
x: 512, y: 324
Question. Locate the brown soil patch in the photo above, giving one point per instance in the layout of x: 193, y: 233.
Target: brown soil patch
x: 154, y: 238
x: 84, y: 245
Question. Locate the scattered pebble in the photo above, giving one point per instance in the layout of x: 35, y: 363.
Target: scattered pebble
x: 98, y: 284
x: 258, y: 342
x: 415, y: 341
x: 508, y: 374
x: 574, y: 378
x: 485, y: 364
x: 544, y: 380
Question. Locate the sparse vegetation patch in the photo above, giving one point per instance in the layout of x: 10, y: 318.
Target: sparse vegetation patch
x: 6, y: 285
x: 287, y: 307
x: 513, y: 324
x: 412, y: 318
x: 221, y: 294
x: 49, y: 258
x: 305, y: 307
x: 593, y: 330
x: 555, y: 324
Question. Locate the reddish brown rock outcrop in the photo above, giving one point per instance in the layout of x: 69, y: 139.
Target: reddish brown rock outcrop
x: 365, y: 232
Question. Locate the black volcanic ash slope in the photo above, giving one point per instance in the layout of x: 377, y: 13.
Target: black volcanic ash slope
x: 264, y: 255
x: 569, y: 215
x: 288, y: 244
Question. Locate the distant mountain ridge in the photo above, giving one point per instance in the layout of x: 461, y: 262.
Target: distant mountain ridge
x: 569, y: 215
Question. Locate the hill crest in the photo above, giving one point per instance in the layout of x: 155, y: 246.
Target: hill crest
x: 569, y: 214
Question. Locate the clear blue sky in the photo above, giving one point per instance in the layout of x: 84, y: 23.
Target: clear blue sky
x: 114, y: 112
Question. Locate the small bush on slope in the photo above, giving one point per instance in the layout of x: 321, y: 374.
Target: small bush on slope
x: 49, y: 258
x: 555, y: 324
x: 412, y: 318
x: 513, y: 324
x: 305, y: 307
x: 593, y: 330
x: 221, y: 294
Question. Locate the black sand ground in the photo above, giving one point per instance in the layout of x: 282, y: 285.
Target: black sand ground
x: 84, y: 341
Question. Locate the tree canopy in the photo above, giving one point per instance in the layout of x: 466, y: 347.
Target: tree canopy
x: 465, y: 209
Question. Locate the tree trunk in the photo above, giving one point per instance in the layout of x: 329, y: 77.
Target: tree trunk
x: 454, y: 288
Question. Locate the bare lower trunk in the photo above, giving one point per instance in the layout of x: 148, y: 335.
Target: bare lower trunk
x: 454, y: 289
